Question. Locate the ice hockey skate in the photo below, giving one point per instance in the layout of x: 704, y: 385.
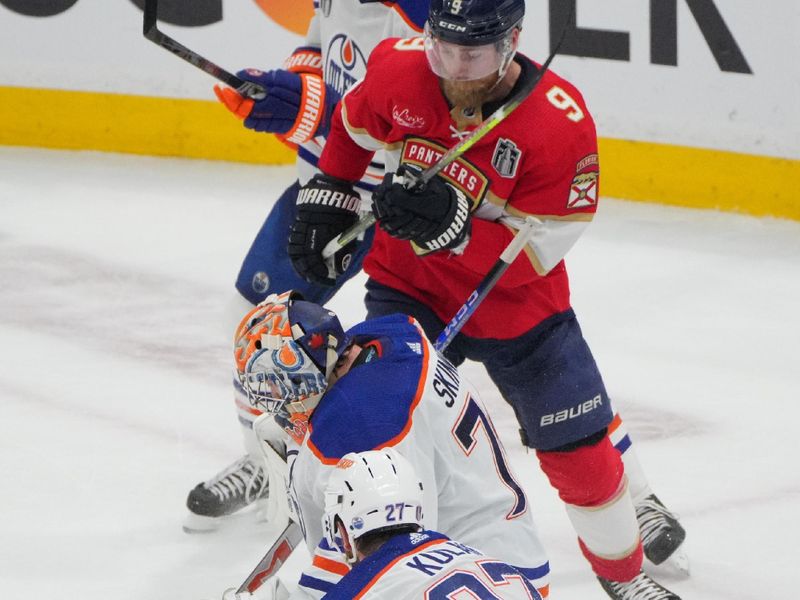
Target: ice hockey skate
x: 662, y: 534
x: 234, y: 492
x: 640, y: 587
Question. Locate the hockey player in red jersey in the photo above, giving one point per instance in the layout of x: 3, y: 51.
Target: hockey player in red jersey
x: 419, y: 97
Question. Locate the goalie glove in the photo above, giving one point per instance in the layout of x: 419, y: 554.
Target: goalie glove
x: 298, y: 106
x: 326, y: 207
x: 434, y: 217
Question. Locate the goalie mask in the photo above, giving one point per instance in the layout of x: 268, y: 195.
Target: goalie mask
x: 285, y: 351
x: 371, y: 492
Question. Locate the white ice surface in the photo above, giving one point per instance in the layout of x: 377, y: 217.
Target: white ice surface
x: 115, y: 401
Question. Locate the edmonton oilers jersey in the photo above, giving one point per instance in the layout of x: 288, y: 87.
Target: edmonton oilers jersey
x: 430, y: 565
x: 346, y: 31
x: 407, y: 396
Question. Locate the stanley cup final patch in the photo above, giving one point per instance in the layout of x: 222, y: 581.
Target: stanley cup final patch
x: 583, y: 190
x: 506, y: 158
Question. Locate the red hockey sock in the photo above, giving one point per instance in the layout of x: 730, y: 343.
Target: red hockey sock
x: 587, y: 476
x: 615, y: 569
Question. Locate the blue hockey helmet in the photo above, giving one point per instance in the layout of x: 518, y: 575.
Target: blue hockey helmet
x: 474, y: 22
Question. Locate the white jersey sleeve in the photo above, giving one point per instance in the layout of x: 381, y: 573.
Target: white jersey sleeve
x: 346, y: 31
x: 313, y: 39
x: 479, y: 499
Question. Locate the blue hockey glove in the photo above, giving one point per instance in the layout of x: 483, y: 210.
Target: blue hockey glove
x: 298, y: 106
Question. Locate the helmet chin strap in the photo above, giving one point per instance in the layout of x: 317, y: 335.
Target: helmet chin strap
x: 501, y: 73
x: 331, y: 357
x: 504, y: 67
x: 304, y: 406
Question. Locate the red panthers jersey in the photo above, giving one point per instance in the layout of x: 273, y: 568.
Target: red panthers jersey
x: 541, y: 160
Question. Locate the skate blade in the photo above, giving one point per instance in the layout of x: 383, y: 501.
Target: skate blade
x: 200, y: 524
x: 674, y: 567
x: 679, y: 562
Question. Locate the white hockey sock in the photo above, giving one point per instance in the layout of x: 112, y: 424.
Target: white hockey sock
x: 638, y: 485
x: 609, y: 531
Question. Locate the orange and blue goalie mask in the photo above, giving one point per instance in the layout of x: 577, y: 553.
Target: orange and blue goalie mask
x: 285, y: 349
x: 284, y: 379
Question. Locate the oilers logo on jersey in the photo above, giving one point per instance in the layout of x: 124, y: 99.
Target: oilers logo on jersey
x: 344, y: 58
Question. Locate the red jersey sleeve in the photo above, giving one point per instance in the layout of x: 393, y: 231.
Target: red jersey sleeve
x: 560, y: 172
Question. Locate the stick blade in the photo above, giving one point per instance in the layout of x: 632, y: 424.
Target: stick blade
x: 274, y: 558
x: 149, y: 28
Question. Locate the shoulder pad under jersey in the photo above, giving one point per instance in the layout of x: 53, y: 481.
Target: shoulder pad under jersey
x: 371, y: 406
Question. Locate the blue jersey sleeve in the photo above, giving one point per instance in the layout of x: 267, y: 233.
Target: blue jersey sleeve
x: 366, y: 571
x: 371, y: 406
x: 414, y: 11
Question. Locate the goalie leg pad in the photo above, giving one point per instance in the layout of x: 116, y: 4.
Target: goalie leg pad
x: 272, y: 443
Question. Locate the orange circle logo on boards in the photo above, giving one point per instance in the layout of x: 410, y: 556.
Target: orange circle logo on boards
x: 293, y: 15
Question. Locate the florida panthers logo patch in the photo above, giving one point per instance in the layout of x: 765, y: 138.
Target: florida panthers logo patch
x: 583, y: 191
x: 506, y: 158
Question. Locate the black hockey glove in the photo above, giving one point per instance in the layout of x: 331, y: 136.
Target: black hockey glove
x: 326, y: 206
x: 435, y: 217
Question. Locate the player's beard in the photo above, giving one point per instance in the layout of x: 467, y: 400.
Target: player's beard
x: 469, y: 94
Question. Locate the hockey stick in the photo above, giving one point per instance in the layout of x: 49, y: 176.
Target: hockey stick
x: 454, y: 153
x: 274, y: 558
x: 507, y: 257
x: 151, y: 32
